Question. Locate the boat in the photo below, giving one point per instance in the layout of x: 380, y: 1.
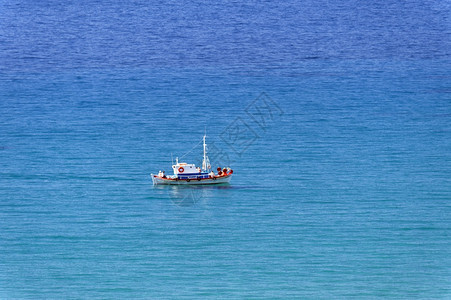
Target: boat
x: 189, y: 174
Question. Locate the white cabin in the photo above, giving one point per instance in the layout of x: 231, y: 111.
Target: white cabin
x: 185, y: 169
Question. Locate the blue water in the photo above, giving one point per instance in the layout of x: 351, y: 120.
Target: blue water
x: 334, y: 116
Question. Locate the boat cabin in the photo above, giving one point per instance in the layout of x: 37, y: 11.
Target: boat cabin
x: 188, y: 171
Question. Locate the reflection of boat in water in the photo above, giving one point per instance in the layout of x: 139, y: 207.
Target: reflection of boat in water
x: 190, y: 174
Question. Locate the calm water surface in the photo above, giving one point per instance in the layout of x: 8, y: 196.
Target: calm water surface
x: 334, y: 117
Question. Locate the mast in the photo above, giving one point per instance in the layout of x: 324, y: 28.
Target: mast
x: 206, y: 161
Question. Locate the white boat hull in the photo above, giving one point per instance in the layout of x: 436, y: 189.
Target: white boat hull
x: 172, y: 181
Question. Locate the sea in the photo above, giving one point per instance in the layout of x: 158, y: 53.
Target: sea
x: 335, y: 117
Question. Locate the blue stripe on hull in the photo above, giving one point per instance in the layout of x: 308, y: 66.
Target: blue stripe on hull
x: 192, y: 176
x: 203, y: 173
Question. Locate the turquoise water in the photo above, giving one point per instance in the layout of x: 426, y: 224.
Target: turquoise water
x: 340, y: 149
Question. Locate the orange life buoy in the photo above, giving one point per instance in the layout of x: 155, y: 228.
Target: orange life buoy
x: 181, y: 169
